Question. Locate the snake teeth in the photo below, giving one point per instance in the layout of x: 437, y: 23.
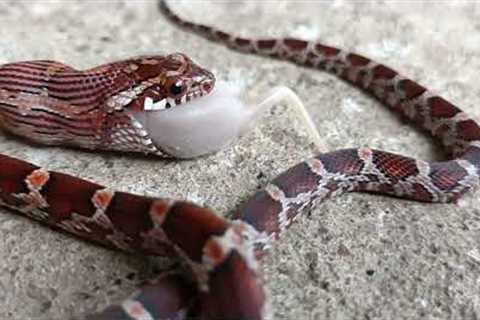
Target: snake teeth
x: 149, y: 105
x: 167, y: 103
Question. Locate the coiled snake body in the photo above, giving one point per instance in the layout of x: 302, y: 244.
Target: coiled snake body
x: 220, y: 254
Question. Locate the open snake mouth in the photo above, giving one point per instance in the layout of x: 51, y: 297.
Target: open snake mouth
x: 204, y: 125
x: 166, y: 103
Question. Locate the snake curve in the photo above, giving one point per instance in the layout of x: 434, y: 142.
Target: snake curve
x: 221, y: 253
x: 329, y: 174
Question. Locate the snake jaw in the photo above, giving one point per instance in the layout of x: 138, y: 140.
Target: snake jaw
x: 149, y: 104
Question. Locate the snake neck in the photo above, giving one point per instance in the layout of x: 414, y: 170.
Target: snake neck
x: 51, y: 103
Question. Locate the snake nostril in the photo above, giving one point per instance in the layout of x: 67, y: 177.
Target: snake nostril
x: 206, y: 87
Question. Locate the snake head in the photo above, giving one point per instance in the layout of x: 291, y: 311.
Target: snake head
x: 170, y: 81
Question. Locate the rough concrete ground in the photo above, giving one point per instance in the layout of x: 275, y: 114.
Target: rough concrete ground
x: 356, y: 257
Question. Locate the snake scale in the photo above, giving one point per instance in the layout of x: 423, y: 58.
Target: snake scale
x: 51, y: 103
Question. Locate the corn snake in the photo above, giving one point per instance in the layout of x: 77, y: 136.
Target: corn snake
x: 329, y: 167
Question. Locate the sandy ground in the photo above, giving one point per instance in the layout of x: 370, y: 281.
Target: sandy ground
x: 355, y: 257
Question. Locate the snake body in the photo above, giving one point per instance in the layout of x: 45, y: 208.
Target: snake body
x: 272, y: 210
x: 221, y: 255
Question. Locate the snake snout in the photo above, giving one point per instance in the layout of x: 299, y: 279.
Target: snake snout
x: 203, y: 81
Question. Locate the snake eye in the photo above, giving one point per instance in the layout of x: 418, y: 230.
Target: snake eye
x: 177, y: 88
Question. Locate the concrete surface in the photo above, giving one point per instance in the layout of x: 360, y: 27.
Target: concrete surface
x: 356, y: 257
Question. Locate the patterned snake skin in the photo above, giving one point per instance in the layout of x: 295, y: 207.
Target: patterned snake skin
x: 52, y: 103
x: 221, y: 256
x: 272, y: 210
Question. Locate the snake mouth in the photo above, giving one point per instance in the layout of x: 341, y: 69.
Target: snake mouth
x: 204, y: 125
x: 166, y: 103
